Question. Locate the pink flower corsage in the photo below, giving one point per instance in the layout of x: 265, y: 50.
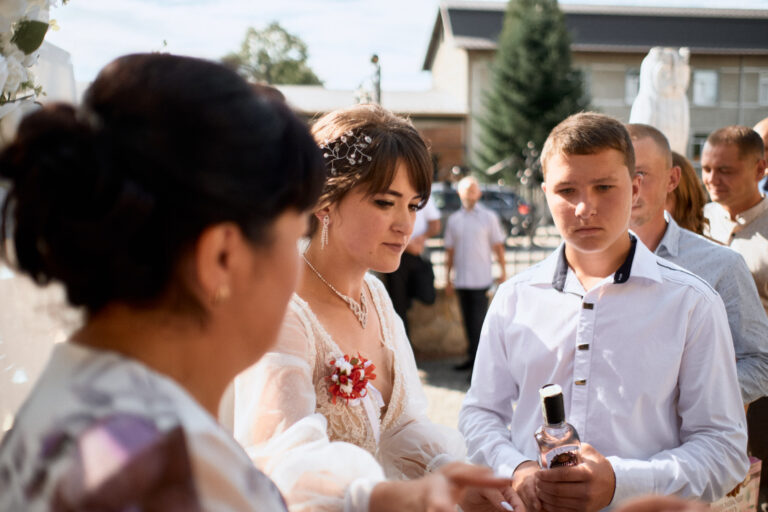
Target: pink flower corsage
x: 350, y: 378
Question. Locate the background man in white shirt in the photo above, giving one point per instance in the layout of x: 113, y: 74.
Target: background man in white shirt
x: 762, y: 130
x: 641, y: 348
x: 472, y: 233
x: 732, y: 164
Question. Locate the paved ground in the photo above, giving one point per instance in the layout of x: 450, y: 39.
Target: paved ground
x: 445, y: 389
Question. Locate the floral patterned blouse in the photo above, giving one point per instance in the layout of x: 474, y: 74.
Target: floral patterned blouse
x: 104, y: 432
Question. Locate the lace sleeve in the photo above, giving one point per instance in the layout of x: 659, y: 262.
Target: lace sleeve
x: 414, y: 445
x: 276, y: 422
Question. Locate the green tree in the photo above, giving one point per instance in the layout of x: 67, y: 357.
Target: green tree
x: 274, y: 56
x: 533, y: 86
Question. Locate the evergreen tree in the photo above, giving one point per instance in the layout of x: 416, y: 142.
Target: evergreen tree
x: 274, y: 56
x: 534, y: 86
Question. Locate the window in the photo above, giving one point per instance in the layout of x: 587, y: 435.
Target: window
x: 704, y: 87
x: 697, y: 145
x: 631, y: 85
x: 762, y: 94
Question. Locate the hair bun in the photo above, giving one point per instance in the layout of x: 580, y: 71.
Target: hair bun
x: 62, y: 197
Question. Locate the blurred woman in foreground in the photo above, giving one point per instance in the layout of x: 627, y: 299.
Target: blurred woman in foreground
x: 169, y: 205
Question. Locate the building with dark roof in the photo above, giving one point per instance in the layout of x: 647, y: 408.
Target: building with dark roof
x: 728, y: 48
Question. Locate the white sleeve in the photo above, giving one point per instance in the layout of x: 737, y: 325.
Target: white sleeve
x: 414, y: 445
x: 712, y: 457
x: 448, y: 237
x: 276, y: 422
x: 749, y: 327
x: 487, y: 408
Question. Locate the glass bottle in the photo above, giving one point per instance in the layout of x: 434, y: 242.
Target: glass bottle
x: 558, y: 441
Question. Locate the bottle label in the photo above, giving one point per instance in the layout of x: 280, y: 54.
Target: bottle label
x: 566, y: 455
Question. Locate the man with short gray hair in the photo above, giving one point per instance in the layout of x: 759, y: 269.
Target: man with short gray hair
x: 472, y: 235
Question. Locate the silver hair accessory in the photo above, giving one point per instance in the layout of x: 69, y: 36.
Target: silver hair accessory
x: 360, y: 309
x: 324, y: 232
x: 349, y: 147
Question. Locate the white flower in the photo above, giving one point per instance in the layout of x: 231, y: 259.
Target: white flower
x: 37, y: 13
x: 3, y: 72
x: 346, y: 388
x: 17, y: 74
x: 344, y: 367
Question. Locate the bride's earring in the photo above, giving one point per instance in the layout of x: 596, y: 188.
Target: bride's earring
x: 324, y: 232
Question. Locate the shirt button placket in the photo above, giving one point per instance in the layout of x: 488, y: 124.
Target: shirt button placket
x: 581, y: 365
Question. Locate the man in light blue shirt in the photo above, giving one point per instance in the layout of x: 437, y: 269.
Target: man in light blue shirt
x: 723, y: 268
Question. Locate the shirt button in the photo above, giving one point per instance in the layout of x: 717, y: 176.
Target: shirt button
x: 581, y: 382
x: 588, y: 305
x: 583, y: 346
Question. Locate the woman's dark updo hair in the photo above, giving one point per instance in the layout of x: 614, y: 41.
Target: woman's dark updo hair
x: 107, y: 198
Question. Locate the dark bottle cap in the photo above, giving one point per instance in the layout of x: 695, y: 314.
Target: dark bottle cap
x: 552, y: 404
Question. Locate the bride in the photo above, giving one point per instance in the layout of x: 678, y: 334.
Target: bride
x: 335, y: 414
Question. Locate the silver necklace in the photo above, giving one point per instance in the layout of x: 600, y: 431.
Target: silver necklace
x: 360, y: 309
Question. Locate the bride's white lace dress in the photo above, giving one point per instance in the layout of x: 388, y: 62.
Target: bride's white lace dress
x: 326, y: 456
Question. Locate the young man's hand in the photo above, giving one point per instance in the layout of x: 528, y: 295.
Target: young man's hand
x: 586, y: 487
x: 524, y: 484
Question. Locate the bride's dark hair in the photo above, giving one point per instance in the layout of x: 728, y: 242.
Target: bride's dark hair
x: 107, y: 198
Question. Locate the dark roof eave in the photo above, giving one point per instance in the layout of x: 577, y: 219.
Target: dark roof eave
x: 606, y: 48
x: 434, y: 41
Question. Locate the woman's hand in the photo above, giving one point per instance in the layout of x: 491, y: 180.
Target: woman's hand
x: 491, y: 500
x: 440, y: 491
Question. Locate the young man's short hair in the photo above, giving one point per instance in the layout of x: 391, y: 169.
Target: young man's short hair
x: 639, y: 131
x: 588, y: 133
x: 746, y: 139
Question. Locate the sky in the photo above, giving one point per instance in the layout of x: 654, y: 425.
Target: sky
x: 341, y: 34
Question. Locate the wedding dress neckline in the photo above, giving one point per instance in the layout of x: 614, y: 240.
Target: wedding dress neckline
x: 386, y: 337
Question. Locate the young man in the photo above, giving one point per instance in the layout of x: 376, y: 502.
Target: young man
x: 472, y: 234
x: 640, y: 347
x: 732, y: 164
x: 723, y: 268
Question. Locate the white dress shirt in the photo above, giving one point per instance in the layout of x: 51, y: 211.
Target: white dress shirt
x: 472, y: 234
x: 726, y: 271
x: 646, y: 363
x: 747, y: 235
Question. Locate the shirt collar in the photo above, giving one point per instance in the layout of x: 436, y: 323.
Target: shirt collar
x: 751, y: 214
x: 670, y: 242
x: 640, y: 262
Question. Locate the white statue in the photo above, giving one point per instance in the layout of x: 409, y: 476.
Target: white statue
x: 661, y: 99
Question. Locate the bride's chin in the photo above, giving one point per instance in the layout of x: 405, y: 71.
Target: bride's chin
x: 386, y: 267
